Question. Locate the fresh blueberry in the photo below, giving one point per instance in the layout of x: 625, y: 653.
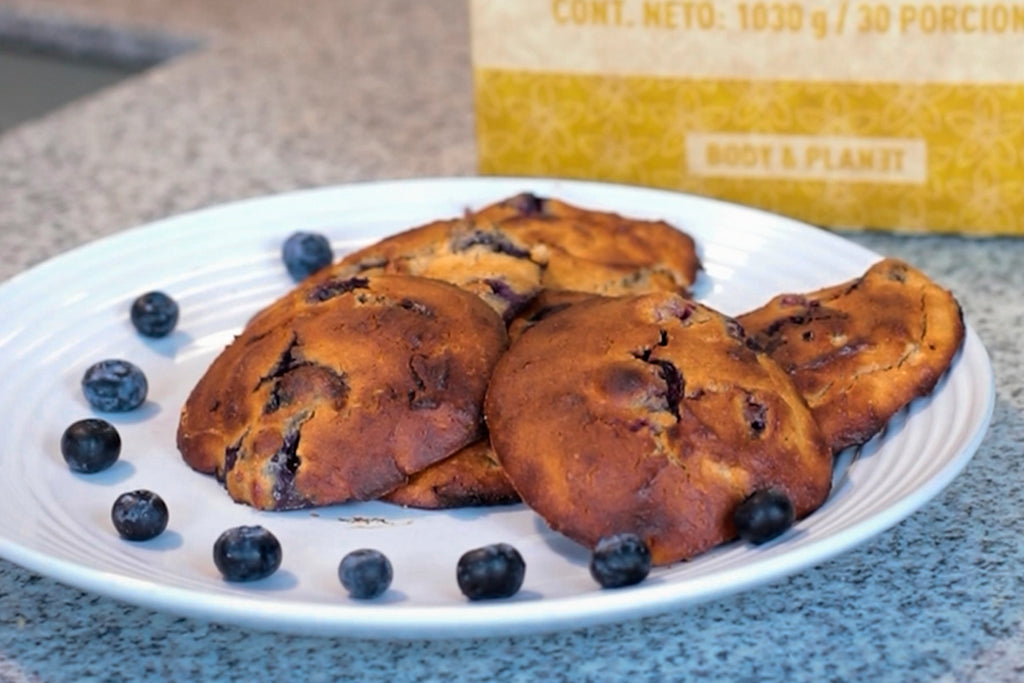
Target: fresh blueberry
x: 304, y: 253
x: 493, y: 571
x: 154, y: 314
x: 247, y: 553
x: 620, y: 560
x: 90, y: 445
x: 114, y: 386
x: 365, y: 573
x: 139, y: 515
x: 763, y: 515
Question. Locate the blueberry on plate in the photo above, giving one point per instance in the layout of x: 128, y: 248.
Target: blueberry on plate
x: 763, y: 515
x: 620, y: 560
x: 114, y: 386
x: 139, y: 515
x: 365, y: 573
x: 90, y: 445
x: 493, y: 571
x: 304, y: 253
x: 154, y: 314
x: 247, y: 553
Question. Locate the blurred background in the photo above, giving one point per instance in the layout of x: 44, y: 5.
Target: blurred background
x: 32, y: 83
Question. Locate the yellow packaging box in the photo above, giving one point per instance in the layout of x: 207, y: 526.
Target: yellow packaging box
x: 844, y: 113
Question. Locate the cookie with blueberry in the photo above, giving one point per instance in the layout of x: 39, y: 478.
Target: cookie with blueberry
x: 650, y: 415
x: 469, y: 478
x: 601, y: 252
x: 861, y: 350
x: 358, y: 385
x: 473, y: 476
x: 509, y: 251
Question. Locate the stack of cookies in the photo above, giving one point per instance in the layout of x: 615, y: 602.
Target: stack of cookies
x: 542, y: 352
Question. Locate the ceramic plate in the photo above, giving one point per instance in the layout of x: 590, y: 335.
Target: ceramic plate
x: 222, y: 264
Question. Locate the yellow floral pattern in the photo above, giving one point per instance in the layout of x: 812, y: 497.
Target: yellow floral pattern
x: 634, y: 130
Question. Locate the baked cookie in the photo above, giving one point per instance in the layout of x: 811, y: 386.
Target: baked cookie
x: 481, y: 260
x: 546, y: 304
x: 649, y: 414
x: 473, y: 476
x: 598, y: 251
x: 861, y: 350
x: 479, y: 257
x: 344, y: 394
x: 507, y: 252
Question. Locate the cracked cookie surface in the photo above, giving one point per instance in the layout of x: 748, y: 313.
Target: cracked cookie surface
x: 861, y: 350
x: 344, y: 394
x: 649, y: 414
x: 473, y: 476
x: 509, y: 251
x: 600, y: 252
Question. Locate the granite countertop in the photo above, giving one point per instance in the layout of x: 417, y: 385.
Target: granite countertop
x: 267, y: 96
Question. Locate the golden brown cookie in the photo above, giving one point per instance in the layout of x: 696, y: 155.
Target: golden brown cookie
x: 507, y: 252
x: 649, y: 414
x: 546, y: 304
x: 861, y: 350
x: 344, y: 394
x: 471, y: 477
x: 598, y: 251
x: 478, y: 257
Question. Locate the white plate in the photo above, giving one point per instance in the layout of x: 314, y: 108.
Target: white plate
x: 222, y: 264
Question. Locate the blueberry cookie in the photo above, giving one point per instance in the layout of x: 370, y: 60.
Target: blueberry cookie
x: 473, y: 476
x: 345, y: 393
x: 861, y: 350
x: 649, y: 414
x: 507, y: 252
x: 598, y: 251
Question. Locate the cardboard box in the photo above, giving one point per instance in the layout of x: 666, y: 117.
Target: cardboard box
x: 876, y: 114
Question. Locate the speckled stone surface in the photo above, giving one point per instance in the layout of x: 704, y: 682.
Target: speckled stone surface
x: 279, y: 95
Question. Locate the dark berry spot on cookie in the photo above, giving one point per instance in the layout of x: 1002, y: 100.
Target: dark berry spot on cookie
x: 230, y: 457
x: 674, y: 385
x: 898, y: 273
x: 528, y: 204
x: 430, y: 377
x: 643, y: 354
x: 332, y: 288
x: 735, y: 330
x: 282, y: 468
x: 756, y: 415
x: 417, y: 307
x: 807, y: 336
x: 498, y: 242
x: 516, y: 301
x: 308, y: 383
x: 286, y: 362
x: 623, y: 380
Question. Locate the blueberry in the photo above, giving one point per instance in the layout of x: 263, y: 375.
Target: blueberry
x: 493, y: 571
x: 154, y: 314
x: 139, y: 515
x: 114, y: 386
x: 247, y: 553
x: 304, y: 253
x: 620, y: 560
x: 90, y: 445
x: 365, y: 573
x: 763, y: 515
